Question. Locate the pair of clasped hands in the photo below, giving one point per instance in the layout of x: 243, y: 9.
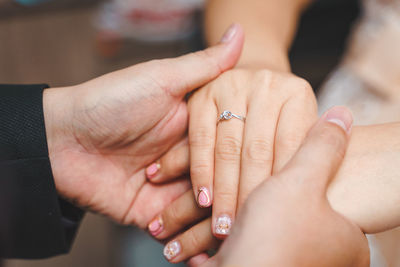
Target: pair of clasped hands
x: 123, y: 145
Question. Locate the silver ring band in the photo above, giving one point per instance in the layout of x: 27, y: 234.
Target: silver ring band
x: 227, y: 115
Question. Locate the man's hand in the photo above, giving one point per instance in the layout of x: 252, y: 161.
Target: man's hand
x: 288, y: 220
x: 101, y: 134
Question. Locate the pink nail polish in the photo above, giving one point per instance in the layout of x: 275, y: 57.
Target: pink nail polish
x: 203, y: 197
x: 229, y: 34
x: 223, y: 225
x: 152, y: 170
x: 155, y: 227
x: 340, y: 116
x: 172, y: 249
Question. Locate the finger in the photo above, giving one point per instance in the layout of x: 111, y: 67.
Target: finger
x: 160, y: 196
x: 198, y: 260
x: 258, y: 146
x: 228, y: 149
x: 297, y: 117
x: 202, y: 134
x: 172, y: 165
x: 189, y: 72
x: 319, y: 157
x: 192, y: 242
x: 177, y: 216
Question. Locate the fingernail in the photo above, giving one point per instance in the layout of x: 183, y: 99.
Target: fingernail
x: 223, y: 225
x: 203, y: 197
x: 340, y: 116
x: 155, y: 227
x: 172, y: 249
x: 229, y: 34
x: 152, y: 170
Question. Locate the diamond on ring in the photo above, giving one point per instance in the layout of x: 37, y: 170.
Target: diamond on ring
x: 227, y: 115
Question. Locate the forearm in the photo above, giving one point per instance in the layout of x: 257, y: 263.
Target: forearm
x: 366, y: 188
x: 269, y: 28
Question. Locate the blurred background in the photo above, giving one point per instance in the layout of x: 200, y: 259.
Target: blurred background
x: 65, y: 42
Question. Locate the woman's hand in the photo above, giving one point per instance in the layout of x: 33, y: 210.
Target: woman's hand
x: 102, y: 133
x: 230, y: 158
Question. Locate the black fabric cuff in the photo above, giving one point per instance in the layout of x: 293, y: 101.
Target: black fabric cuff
x: 32, y: 224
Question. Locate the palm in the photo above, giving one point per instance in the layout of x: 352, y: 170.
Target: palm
x: 103, y: 133
x: 104, y: 164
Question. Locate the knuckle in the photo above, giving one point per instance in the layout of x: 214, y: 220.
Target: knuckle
x: 172, y: 164
x: 193, y: 239
x: 225, y: 198
x: 201, y: 138
x: 200, y: 169
x: 297, y: 86
x: 258, y: 151
x: 289, y: 142
x: 209, y: 59
x: 172, y: 214
x: 228, y: 149
x: 264, y: 76
x: 302, y: 84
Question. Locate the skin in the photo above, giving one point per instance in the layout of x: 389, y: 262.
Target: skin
x: 305, y: 229
x: 269, y: 27
x: 101, y: 134
x: 228, y: 160
x: 368, y: 172
x: 356, y: 191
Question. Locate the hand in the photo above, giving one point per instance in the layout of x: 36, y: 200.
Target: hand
x: 184, y: 211
x: 102, y: 133
x: 288, y: 220
x: 229, y: 159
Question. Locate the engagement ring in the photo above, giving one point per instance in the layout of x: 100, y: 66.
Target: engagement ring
x: 227, y: 115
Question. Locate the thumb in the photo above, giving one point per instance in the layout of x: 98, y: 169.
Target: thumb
x: 323, y: 150
x: 183, y: 74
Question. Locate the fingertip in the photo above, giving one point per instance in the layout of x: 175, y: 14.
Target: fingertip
x: 156, y: 226
x: 153, y: 170
x: 198, y: 260
x: 233, y: 40
x: 171, y: 250
x: 222, y: 226
x: 204, y: 197
x: 341, y: 116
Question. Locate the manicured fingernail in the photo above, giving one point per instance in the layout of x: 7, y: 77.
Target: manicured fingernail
x: 229, y: 34
x: 223, y: 225
x: 340, y: 116
x: 155, y: 227
x: 152, y: 170
x: 203, y: 198
x: 172, y: 249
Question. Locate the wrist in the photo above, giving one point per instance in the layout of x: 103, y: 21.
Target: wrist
x: 57, y: 110
x: 259, y: 56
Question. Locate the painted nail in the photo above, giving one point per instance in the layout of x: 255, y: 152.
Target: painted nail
x: 172, y: 249
x: 155, y: 227
x: 340, y: 116
x: 223, y: 225
x: 203, y: 197
x: 229, y: 34
x: 152, y: 170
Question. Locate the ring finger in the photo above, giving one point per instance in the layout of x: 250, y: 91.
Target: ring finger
x: 227, y: 165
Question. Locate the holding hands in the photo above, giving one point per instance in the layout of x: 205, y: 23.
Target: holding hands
x: 288, y: 221
x: 230, y: 157
x: 245, y: 125
x: 103, y: 133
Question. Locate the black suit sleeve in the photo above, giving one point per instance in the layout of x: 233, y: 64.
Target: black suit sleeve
x: 34, y: 221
